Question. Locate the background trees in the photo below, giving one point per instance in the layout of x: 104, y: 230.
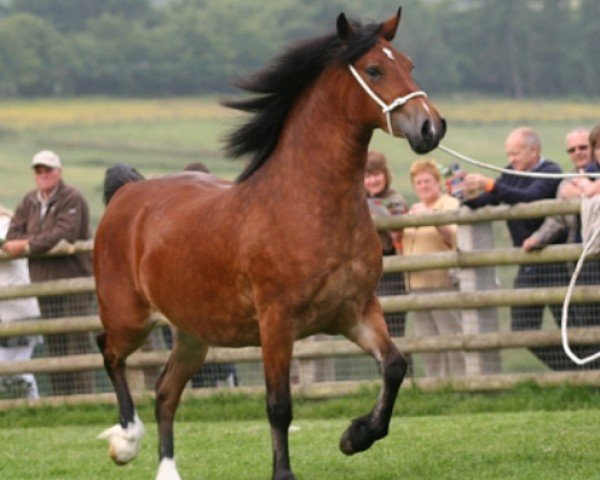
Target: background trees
x: 517, y: 48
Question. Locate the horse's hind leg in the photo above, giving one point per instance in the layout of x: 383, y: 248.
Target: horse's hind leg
x: 372, y: 336
x: 186, y: 358
x: 118, y: 341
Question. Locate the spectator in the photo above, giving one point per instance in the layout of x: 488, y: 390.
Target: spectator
x: 15, y: 272
x: 584, y: 186
x: 583, y: 315
x: 579, y: 151
x: 523, y: 149
x: 55, y: 211
x: 594, y: 141
x: 427, y: 183
x: 384, y: 201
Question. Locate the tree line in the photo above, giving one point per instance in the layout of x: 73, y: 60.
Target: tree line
x: 515, y: 48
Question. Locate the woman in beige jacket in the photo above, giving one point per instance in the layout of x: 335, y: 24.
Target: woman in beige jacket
x: 427, y: 183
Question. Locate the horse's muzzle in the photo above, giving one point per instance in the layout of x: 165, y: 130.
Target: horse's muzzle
x: 428, y: 136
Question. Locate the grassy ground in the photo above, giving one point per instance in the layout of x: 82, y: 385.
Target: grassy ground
x: 527, y: 433
x: 412, y: 402
x: 529, y: 445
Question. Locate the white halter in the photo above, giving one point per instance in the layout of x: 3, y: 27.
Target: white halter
x: 386, y: 109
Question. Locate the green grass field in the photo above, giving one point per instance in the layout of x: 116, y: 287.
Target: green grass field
x: 559, y: 445
x: 526, y: 433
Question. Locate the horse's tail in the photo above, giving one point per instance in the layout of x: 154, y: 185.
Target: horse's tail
x: 117, y: 176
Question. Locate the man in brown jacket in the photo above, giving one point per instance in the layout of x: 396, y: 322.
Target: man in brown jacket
x: 55, y: 211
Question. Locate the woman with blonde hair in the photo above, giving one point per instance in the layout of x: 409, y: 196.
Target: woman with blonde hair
x: 426, y: 180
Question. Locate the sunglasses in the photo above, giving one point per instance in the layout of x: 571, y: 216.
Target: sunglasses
x: 581, y: 148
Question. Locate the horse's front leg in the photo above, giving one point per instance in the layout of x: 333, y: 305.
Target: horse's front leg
x: 277, y: 343
x: 371, y: 334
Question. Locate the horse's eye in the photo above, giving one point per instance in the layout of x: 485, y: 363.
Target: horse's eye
x: 373, y: 72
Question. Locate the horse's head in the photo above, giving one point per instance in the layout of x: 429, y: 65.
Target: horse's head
x: 384, y: 74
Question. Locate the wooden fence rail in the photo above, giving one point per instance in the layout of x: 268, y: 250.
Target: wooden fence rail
x: 319, y: 350
x: 465, y: 215
x: 394, y: 263
x: 398, y: 303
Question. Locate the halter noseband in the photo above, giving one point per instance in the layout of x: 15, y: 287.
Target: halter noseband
x: 385, y: 108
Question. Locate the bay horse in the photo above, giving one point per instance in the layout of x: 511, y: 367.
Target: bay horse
x: 286, y: 251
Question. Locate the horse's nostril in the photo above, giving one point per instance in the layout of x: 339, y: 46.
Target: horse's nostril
x: 427, y: 132
x: 444, y: 126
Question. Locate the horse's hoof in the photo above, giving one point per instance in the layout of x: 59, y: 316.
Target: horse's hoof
x: 358, y: 437
x: 167, y: 470
x: 124, y: 444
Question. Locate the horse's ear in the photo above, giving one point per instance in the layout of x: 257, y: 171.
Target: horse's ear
x: 344, y: 29
x: 389, y: 27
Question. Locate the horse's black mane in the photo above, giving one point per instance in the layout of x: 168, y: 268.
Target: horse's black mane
x: 278, y: 85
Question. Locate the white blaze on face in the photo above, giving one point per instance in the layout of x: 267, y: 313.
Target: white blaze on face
x: 388, y: 53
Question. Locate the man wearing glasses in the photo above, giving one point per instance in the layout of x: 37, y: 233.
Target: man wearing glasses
x: 583, y: 315
x: 55, y: 211
x: 578, y: 148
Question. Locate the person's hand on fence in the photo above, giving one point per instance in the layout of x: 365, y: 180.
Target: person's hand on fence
x: 531, y: 243
x: 16, y: 248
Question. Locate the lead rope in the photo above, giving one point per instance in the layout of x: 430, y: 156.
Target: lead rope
x: 586, y: 248
x: 508, y: 171
x: 565, y: 309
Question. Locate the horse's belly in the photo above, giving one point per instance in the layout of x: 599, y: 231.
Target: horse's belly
x: 215, y: 328
x: 217, y: 311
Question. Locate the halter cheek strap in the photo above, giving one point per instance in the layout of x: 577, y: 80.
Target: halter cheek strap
x: 385, y: 108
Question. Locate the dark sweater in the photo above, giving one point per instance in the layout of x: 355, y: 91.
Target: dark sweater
x: 67, y: 219
x: 511, y: 189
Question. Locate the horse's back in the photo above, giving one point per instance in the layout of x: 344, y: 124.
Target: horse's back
x: 165, y: 244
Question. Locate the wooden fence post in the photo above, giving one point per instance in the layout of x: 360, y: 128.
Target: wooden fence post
x: 477, y: 237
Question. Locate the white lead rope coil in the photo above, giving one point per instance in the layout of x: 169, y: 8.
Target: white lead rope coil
x: 565, y: 310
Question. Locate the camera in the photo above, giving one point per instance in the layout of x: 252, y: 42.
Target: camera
x: 454, y: 180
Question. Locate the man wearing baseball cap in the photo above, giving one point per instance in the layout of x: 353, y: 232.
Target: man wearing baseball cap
x: 55, y: 211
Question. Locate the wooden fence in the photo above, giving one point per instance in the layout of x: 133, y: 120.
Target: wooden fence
x: 309, y: 351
